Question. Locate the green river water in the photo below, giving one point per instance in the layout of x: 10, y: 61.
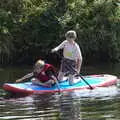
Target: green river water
x: 97, y: 104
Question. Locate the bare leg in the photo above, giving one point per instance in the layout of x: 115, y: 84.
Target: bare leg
x: 71, y: 82
x: 60, y: 76
x: 37, y: 82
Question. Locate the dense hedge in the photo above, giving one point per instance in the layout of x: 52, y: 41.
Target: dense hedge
x: 30, y: 28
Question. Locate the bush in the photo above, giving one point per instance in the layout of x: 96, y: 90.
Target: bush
x: 97, y: 24
x: 30, y: 28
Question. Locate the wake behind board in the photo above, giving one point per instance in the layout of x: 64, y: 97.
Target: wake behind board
x: 102, y: 80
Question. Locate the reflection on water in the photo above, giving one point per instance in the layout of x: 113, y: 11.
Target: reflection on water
x: 97, y: 104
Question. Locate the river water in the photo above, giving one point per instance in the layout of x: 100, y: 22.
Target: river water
x: 97, y: 104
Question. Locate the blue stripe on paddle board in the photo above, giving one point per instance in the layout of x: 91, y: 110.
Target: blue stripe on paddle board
x: 63, y: 85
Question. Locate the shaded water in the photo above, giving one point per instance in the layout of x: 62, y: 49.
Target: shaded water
x: 97, y: 104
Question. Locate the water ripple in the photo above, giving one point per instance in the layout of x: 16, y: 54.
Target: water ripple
x: 97, y: 104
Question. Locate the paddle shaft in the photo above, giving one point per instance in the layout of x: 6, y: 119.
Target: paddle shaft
x: 86, y: 82
x: 57, y: 81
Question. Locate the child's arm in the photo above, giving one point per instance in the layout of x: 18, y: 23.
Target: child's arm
x: 56, y: 81
x: 29, y: 75
x: 61, y: 46
x: 52, y: 75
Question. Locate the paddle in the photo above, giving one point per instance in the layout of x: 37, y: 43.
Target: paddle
x: 50, y: 54
x: 86, y: 82
x: 79, y: 75
x: 56, y: 81
x: 58, y: 86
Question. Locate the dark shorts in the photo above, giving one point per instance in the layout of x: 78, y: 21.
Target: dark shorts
x: 68, y: 66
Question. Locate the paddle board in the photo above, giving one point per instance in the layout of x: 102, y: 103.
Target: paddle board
x: 102, y: 80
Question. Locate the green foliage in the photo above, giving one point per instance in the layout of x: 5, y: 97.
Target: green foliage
x: 97, y: 24
x: 30, y: 28
x: 6, y: 38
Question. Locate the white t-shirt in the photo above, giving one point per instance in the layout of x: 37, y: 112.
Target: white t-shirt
x: 70, y: 50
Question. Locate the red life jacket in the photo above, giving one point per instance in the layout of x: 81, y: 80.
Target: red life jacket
x: 42, y: 75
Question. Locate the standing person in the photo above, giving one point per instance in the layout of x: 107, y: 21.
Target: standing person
x: 43, y: 74
x: 72, y: 57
